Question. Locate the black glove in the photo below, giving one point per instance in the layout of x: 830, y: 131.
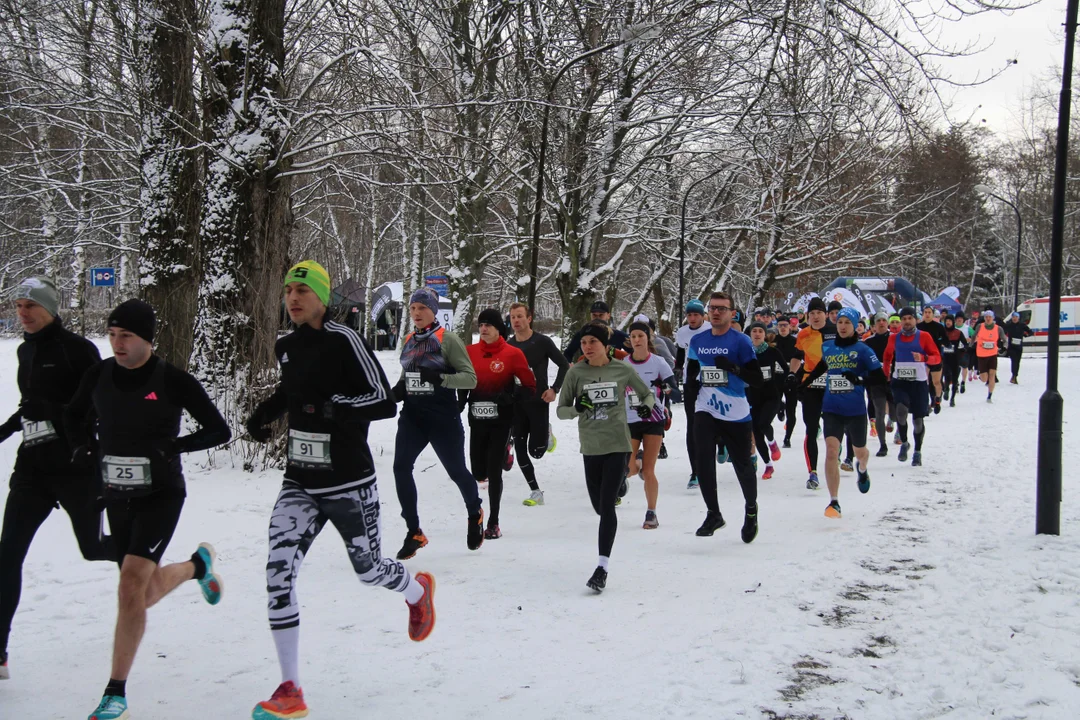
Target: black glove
x: 256, y: 430
x: 721, y: 362
x: 399, y: 391
x: 35, y: 409
x: 583, y: 403
x: 431, y: 376
x: 851, y: 377
x: 164, y: 449
x: 791, y: 382
x: 643, y: 411
x: 82, y: 457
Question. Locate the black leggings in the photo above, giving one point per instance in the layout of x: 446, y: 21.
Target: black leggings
x: 28, y: 504
x: 791, y: 400
x: 709, y: 433
x: 1015, y: 354
x: 762, y: 416
x: 689, y: 401
x: 811, y: 414
x: 603, y: 476
x: 487, y: 450
x: 950, y: 375
x: 531, y: 430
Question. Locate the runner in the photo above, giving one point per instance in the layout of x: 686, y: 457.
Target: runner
x: 52, y: 360
x: 961, y: 326
x: 139, y: 399
x: 332, y: 388
x: 952, y: 351
x: 881, y: 400
x: 503, y: 378
x: 599, y: 312
x: 532, y: 427
x: 849, y: 364
x: 894, y: 324
x: 765, y: 401
x: 593, y: 393
x: 647, y: 433
x: 721, y: 364
x: 835, y: 307
x: 434, y: 365
x: 808, y: 345
x: 909, y: 357
x: 785, y: 343
x: 988, y: 339
x: 695, y: 323
x: 973, y: 357
x: 659, y: 344
x: 1016, y: 331
x: 936, y: 330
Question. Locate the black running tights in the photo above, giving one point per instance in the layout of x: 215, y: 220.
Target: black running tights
x: 603, y: 476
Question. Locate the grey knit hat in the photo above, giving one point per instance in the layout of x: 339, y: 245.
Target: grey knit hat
x: 41, y: 290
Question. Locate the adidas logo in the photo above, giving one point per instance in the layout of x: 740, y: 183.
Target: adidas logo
x: 285, y: 358
x: 151, y: 396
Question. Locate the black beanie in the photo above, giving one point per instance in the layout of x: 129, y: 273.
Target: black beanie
x: 492, y: 317
x: 816, y: 304
x: 600, y: 332
x: 135, y: 316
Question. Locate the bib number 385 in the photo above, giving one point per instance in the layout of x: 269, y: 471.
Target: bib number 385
x: 310, y: 451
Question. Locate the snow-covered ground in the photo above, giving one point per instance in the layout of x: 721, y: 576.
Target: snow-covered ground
x: 931, y: 598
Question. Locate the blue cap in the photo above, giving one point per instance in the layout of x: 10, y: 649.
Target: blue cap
x: 851, y: 314
x: 695, y: 306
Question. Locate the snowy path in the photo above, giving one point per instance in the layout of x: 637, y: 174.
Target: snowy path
x: 931, y: 598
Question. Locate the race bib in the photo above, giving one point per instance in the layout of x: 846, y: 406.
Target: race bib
x: 633, y: 398
x: 906, y: 373
x: 484, y: 411
x: 310, y: 451
x: 602, y: 394
x: 415, y: 386
x: 766, y: 372
x: 714, y: 377
x: 36, y: 432
x: 126, y: 473
x: 988, y: 345
x: 819, y: 382
x: 948, y: 349
x: 840, y: 384
x: 1015, y: 341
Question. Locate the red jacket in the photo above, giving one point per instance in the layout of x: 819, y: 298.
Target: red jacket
x: 496, y: 367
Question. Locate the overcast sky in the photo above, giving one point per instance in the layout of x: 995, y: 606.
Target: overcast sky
x: 1034, y: 37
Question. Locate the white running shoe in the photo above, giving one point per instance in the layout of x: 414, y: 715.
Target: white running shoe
x: 536, y: 497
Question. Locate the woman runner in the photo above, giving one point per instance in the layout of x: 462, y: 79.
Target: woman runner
x: 766, y: 401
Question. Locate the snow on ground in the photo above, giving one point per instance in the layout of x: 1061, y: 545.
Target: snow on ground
x: 931, y: 598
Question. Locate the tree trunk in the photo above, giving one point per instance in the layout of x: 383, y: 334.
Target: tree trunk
x: 169, y: 200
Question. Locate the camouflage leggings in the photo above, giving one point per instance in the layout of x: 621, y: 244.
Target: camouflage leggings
x: 298, y: 518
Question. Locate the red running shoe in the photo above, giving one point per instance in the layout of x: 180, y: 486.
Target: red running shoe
x: 422, y: 614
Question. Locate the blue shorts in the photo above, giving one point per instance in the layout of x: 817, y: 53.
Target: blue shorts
x: 913, y: 395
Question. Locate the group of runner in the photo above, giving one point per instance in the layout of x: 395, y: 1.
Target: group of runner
x: 104, y: 435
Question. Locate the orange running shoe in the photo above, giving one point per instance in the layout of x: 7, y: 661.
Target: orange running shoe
x: 873, y: 430
x: 768, y: 472
x: 422, y: 614
x: 286, y: 702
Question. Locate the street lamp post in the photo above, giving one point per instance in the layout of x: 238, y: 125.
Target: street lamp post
x: 682, y: 234
x: 1048, y: 474
x: 987, y: 190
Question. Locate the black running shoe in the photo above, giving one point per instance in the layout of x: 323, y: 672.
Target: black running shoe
x: 475, y: 537
x: 713, y: 522
x: 787, y: 443
x: 749, y: 526
x: 963, y: 388
x: 598, y: 581
x: 883, y: 451
x: 4, y: 672
x: 624, y: 488
x: 663, y: 452
x: 413, y: 542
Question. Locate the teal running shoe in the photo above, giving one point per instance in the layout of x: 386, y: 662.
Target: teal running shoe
x: 112, y: 707
x: 721, y: 455
x: 211, y: 585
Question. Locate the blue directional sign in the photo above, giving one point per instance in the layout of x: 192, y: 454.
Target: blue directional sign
x: 103, y: 277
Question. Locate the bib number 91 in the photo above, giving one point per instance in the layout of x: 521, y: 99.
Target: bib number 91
x: 309, y: 450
